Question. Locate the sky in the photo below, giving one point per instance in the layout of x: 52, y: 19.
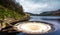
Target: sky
x: 39, y: 6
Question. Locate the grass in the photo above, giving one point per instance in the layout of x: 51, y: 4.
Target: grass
x: 6, y: 13
x: 9, y: 16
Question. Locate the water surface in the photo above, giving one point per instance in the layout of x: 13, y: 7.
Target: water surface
x: 54, y: 20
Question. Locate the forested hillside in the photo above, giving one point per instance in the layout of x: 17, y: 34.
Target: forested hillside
x: 12, y: 5
x: 11, y: 11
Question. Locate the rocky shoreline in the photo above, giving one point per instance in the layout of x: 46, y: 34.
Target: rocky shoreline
x: 11, y: 30
x: 11, y: 24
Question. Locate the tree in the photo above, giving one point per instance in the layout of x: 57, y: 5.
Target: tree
x: 13, y: 5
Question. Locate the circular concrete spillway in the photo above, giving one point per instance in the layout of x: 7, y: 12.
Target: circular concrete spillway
x: 33, y: 27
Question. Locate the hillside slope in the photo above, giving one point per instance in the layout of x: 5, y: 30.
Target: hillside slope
x: 11, y: 11
x: 12, y: 5
x: 51, y: 13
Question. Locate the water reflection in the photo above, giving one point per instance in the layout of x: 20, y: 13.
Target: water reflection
x: 55, y: 22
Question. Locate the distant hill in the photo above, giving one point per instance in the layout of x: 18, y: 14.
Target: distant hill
x: 51, y: 13
x: 32, y: 14
x: 47, y: 13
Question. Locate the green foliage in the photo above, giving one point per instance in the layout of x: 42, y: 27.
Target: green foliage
x: 6, y: 13
x: 12, y: 5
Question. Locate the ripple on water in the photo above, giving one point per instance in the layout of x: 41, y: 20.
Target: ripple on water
x: 51, y: 30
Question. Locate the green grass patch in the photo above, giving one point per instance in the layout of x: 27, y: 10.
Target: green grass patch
x: 6, y: 13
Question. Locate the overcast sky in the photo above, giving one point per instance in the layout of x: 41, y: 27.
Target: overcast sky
x: 38, y: 6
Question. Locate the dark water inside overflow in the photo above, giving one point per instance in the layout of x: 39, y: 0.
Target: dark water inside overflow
x: 54, y: 20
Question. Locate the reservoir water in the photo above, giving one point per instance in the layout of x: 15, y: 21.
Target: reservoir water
x: 54, y: 20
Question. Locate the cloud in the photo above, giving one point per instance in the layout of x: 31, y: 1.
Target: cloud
x: 38, y: 6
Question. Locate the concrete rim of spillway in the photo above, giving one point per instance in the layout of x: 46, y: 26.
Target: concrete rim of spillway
x: 18, y: 28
